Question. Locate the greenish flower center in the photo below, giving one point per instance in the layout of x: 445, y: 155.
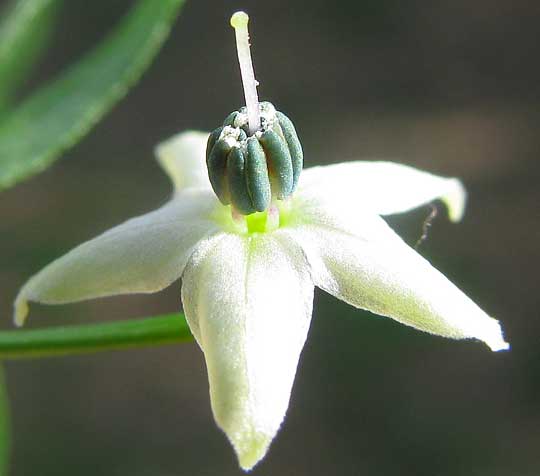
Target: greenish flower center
x: 277, y: 216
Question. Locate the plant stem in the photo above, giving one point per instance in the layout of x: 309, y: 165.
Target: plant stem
x: 159, y: 330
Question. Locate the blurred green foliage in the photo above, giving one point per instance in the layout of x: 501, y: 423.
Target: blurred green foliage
x: 55, y: 117
x: 25, y: 31
x: 34, y: 133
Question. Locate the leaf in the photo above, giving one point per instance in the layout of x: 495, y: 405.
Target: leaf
x: 59, y: 114
x: 25, y: 31
x: 5, y: 440
x: 159, y: 330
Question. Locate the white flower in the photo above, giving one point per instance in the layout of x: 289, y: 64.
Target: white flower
x: 247, y: 290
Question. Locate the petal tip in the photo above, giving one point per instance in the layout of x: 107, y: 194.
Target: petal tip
x: 494, y: 337
x: 455, y: 199
x: 251, y: 449
x: 182, y: 157
x: 20, y: 311
x: 496, y: 345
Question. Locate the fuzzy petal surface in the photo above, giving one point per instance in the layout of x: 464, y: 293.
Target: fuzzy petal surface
x: 248, y: 301
x: 142, y: 255
x: 359, y: 259
x: 183, y: 157
x: 384, y: 188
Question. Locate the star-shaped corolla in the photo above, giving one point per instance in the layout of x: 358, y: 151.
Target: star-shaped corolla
x: 247, y: 290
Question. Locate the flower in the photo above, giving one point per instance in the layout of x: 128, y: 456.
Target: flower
x: 250, y: 261
x: 247, y: 284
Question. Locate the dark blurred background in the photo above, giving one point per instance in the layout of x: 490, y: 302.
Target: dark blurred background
x: 450, y: 87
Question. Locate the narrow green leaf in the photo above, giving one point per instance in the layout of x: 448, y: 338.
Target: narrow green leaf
x: 25, y: 30
x: 168, y: 329
x: 5, y: 439
x: 59, y: 114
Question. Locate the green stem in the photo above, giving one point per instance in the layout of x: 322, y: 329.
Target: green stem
x: 167, y: 329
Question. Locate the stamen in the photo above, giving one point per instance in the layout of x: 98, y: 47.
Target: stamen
x: 272, y: 218
x: 237, y: 217
x: 239, y: 21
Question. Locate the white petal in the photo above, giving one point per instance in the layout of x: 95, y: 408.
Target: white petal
x: 143, y: 255
x: 360, y: 260
x: 183, y: 157
x: 248, y: 302
x: 383, y: 187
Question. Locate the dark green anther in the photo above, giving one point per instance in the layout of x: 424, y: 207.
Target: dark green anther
x: 229, y: 120
x: 258, y: 183
x: 295, y: 148
x: 236, y: 179
x: 246, y: 169
x: 279, y: 162
x: 216, y: 162
x: 214, y: 136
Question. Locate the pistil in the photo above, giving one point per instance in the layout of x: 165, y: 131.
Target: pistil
x: 254, y: 158
x: 239, y: 21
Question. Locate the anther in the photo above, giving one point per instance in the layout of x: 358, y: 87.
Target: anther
x: 237, y: 184
x: 279, y: 163
x: 247, y: 171
x: 257, y: 180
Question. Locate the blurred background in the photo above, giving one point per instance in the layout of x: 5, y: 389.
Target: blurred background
x: 450, y: 87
